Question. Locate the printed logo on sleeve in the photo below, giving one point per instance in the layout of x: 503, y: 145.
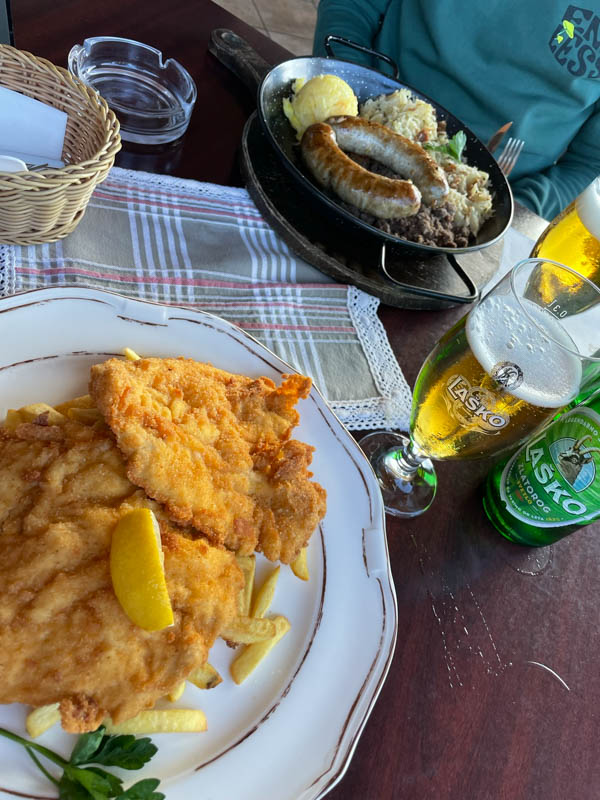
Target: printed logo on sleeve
x: 575, y: 42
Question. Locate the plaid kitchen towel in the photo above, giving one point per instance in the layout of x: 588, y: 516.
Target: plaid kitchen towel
x: 186, y: 243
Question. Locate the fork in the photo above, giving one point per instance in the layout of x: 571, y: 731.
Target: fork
x: 508, y: 157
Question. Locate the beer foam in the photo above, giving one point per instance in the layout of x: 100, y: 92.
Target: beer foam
x: 498, y: 330
x: 588, y: 208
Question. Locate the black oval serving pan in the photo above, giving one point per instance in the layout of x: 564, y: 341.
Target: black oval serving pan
x: 273, y: 84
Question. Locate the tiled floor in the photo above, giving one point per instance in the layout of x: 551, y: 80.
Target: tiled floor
x: 290, y: 23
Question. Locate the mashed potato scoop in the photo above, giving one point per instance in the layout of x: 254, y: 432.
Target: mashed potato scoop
x: 318, y: 99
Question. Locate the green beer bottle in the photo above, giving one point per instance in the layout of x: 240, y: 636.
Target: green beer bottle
x: 551, y: 486
x: 590, y: 381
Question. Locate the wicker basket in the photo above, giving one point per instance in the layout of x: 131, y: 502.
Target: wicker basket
x: 47, y: 204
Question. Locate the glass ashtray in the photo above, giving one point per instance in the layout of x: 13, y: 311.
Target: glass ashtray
x: 153, y: 99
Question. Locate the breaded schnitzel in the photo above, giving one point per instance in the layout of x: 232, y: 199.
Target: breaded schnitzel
x: 214, y: 449
x: 63, y: 634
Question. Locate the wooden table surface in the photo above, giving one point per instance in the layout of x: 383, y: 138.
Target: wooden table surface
x: 494, y: 689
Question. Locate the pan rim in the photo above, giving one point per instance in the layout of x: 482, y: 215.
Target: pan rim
x: 334, y: 206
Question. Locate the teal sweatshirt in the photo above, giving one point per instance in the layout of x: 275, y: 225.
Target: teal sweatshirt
x: 535, y: 62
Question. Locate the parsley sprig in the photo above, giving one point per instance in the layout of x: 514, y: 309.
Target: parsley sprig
x: 80, y: 781
x: 454, y: 147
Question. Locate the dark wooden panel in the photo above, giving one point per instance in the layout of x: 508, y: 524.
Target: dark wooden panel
x: 180, y: 29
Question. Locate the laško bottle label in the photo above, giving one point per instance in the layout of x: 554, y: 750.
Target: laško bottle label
x: 551, y: 486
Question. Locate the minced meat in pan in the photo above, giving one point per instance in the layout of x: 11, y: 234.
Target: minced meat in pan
x: 429, y: 226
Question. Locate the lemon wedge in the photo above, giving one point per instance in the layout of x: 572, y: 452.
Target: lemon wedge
x: 137, y: 570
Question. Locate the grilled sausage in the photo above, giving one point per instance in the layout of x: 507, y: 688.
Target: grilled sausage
x: 407, y: 158
x: 333, y: 169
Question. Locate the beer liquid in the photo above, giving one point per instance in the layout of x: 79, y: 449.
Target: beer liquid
x: 551, y: 486
x: 573, y: 239
x: 570, y: 242
x: 461, y: 411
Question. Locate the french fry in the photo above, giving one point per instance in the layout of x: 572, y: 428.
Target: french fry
x: 248, y: 565
x: 83, y: 401
x: 41, y: 719
x: 13, y: 418
x: 176, y: 693
x: 86, y: 416
x: 205, y: 677
x: 171, y: 720
x: 264, y: 596
x: 246, y: 630
x: 246, y: 661
x: 299, y: 566
x: 31, y: 412
x: 130, y: 354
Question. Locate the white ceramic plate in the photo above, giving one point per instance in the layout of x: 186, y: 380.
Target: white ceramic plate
x: 289, y: 731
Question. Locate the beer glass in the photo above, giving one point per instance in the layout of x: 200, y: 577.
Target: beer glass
x: 573, y: 239
x: 502, y: 371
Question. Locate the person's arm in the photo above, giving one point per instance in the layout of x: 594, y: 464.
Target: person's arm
x: 548, y: 192
x: 357, y: 20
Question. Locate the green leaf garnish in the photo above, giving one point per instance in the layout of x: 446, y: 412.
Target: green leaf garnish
x: 122, y: 750
x: 99, y: 784
x: 142, y: 790
x: 126, y: 752
x: 69, y: 790
x: 86, y: 746
x: 79, y: 781
x: 454, y: 147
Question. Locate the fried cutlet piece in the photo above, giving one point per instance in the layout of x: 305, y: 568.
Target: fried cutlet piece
x: 289, y: 506
x: 63, y: 634
x: 213, y: 447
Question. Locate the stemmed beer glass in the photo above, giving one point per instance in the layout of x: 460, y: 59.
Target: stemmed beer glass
x: 504, y: 369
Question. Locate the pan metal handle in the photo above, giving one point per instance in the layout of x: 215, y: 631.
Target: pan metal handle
x: 471, y: 297
x: 331, y: 37
x: 239, y: 56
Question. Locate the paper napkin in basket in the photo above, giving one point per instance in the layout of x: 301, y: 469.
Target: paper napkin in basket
x: 31, y: 130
